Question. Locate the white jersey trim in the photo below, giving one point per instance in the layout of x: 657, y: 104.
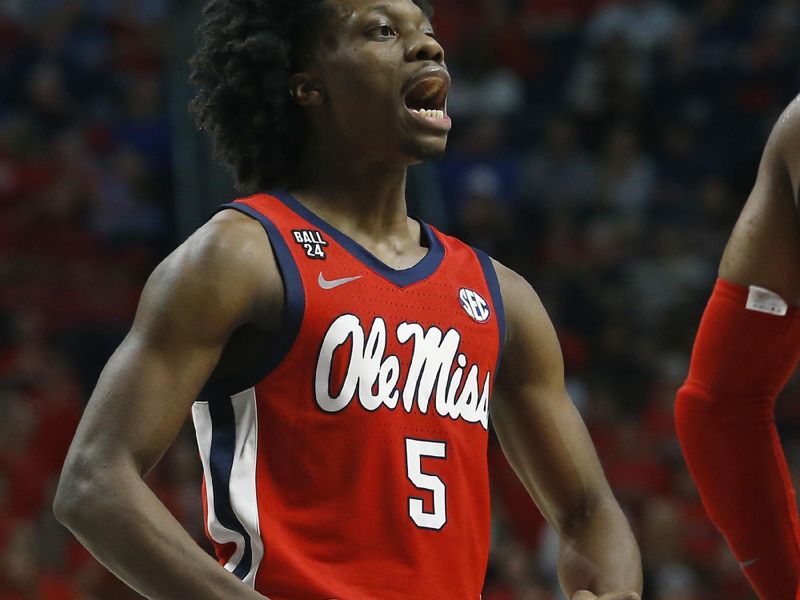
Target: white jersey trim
x: 241, y: 487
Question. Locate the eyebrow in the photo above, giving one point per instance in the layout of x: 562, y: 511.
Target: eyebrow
x: 388, y: 10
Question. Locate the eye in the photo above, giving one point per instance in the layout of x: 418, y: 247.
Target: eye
x: 384, y: 32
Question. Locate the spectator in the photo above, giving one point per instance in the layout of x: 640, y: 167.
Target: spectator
x: 643, y: 24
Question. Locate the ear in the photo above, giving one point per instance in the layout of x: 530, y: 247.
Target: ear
x: 305, y: 90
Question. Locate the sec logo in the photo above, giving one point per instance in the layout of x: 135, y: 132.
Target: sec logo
x: 474, y: 305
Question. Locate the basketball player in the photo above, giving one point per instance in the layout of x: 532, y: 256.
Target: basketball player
x: 337, y: 356
x: 746, y: 348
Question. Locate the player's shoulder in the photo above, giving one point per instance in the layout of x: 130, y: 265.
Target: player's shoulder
x: 228, y: 262
x: 513, y: 286
x: 521, y: 302
x: 785, y: 137
x: 531, y: 350
x: 229, y: 245
x: 790, y: 117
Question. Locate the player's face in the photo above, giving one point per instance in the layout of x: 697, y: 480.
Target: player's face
x: 383, y: 81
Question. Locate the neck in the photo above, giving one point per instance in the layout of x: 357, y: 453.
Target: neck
x: 360, y: 196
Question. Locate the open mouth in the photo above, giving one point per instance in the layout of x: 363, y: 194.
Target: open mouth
x: 428, y: 98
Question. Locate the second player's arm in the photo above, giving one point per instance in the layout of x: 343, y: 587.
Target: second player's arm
x: 548, y: 446
x: 764, y: 248
x: 191, y: 305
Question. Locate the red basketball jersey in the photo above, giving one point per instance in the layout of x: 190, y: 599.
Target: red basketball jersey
x: 354, y: 466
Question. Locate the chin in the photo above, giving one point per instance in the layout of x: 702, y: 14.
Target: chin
x: 422, y: 151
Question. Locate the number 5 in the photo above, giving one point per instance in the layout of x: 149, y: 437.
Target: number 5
x: 415, y: 450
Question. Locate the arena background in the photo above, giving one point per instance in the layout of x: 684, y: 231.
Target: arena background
x: 603, y: 149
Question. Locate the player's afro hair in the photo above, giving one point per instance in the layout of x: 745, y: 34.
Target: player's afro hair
x: 247, y: 51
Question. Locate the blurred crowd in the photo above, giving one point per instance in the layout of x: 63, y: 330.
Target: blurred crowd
x: 601, y: 148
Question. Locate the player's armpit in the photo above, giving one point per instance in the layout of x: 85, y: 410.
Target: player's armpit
x: 548, y: 446
x: 192, y: 303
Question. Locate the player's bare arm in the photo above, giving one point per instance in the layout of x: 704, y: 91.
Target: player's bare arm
x: 549, y: 447
x: 764, y: 249
x: 221, y: 284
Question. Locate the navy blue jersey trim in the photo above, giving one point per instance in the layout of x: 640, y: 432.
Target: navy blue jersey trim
x: 490, y: 274
x: 401, y: 278
x: 295, y: 304
x: 223, y: 449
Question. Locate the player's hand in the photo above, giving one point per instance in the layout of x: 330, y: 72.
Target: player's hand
x: 584, y: 595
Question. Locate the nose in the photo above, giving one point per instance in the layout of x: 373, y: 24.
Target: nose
x: 423, y: 47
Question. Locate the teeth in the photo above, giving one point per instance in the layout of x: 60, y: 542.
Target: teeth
x: 430, y: 114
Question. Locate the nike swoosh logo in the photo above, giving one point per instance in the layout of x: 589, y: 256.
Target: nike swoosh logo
x: 329, y: 285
